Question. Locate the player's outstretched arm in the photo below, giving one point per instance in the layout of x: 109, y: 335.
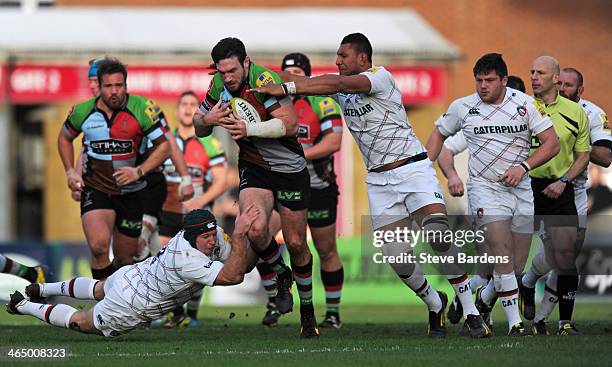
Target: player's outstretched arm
x: 235, y: 265
x: 319, y: 85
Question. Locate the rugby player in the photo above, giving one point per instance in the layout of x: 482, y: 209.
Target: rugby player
x: 401, y: 179
x: 134, y: 295
x: 554, y: 192
x: 454, y: 145
x: 111, y: 185
x: 497, y: 123
x: 320, y: 133
x: 570, y: 86
x: 272, y: 168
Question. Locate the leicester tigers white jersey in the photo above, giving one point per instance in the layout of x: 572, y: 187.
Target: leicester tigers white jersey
x: 498, y: 136
x: 171, y: 277
x: 378, y: 121
x: 599, y: 129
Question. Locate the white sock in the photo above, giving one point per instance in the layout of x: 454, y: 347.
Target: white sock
x: 80, y: 288
x: 461, y: 285
x: 476, y: 282
x: 421, y: 287
x: 538, y: 267
x: 507, y: 291
x: 550, y: 299
x: 58, y: 315
x: 488, y: 294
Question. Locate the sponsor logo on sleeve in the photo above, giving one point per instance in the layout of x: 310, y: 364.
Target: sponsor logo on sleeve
x: 606, y: 123
x: 264, y: 79
x: 540, y: 108
x: 327, y: 107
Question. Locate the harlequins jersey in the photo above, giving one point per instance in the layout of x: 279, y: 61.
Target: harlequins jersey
x: 113, y: 143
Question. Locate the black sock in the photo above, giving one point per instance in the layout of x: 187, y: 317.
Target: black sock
x: 101, y: 274
x: 31, y: 275
x: 566, y: 291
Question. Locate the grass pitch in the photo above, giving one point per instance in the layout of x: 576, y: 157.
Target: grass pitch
x: 371, y: 336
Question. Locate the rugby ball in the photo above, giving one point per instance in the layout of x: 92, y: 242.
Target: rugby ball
x: 243, y: 110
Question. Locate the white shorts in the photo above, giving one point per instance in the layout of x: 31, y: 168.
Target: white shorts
x: 581, y: 200
x: 492, y: 202
x: 398, y: 192
x: 113, y: 315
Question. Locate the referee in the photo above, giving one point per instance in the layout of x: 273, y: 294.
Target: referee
x: 553, y: 191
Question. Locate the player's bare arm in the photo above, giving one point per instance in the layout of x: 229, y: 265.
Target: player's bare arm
x: 601, y: 155
x: 329, y: 145
x: 434, y: 144
x: 581, y: 160
x: 185, y: 188
x: 446, y: 161
x: 204, y: 122
x: 549, y: 147
x: 235, y: 265
x: 217, y: 187
x: 127, y: 175
x: 319, y: 85
x: 66, y: 152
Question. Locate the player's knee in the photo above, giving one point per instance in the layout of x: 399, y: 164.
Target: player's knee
x: 258, y: 233
x: 78, y: 322
x: 435, y: 226
x: 327, y: 254
x: 99, y: 249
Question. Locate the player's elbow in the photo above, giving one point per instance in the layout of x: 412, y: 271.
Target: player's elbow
x: 291, y: 126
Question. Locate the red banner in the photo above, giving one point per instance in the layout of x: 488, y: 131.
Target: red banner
x: 51, y: 83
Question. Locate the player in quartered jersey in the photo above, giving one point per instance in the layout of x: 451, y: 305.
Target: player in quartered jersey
x: 198, y: 256
x: 149, y: 242
x: 454, y: 145
x: 497, y: 123
x: 112, y: 183
x: 401, y: 181
x: 272, y: 166
x: 570, y: 86
x: 320, y: 133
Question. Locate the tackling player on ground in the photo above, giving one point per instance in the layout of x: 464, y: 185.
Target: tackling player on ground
x: 134, y: 295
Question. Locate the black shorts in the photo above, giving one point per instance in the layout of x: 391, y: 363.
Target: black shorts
x: 154, y: 194
x: 559, y: 212
x: 128, y: 208
x: 291, y: 190
x: 170, y: 223
x: 322, y: 207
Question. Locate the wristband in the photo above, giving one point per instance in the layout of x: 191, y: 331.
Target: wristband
x: 525, y: 167
x: 140, y: 172
x: 285, y: 89
x: 290, y: 88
